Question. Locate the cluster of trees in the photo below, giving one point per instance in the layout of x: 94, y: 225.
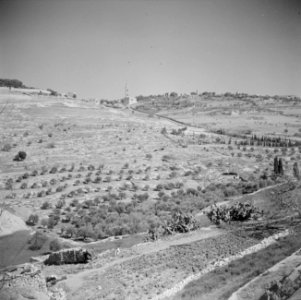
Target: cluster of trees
x: 278, y: 166
x: 267, y: 141
x: 264, y: 141
x: 179, y: 131
x: 236, y: 212
x: 12, y: 83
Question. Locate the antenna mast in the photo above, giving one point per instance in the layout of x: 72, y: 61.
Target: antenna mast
x: 126, y: 91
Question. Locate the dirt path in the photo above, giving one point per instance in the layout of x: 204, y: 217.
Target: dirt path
x: 74, y: 282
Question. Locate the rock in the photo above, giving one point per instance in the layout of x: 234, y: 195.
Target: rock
x: 26, y: 282
x: 69, y: 256
x: 57, y: 294
x: 51, y: 280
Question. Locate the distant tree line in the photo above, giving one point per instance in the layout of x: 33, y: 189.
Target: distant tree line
x: 268, y: 142
x: 265, y: 141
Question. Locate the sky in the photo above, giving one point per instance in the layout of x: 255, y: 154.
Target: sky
x: 95, y: 47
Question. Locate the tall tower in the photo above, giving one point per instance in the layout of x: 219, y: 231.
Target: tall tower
x: 126, y: 91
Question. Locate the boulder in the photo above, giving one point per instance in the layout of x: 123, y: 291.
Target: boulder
x: 69, y: 256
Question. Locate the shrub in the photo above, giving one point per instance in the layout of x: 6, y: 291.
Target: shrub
x: 166, y: 158
x: 77, y: 182
x: 59, y: 189
x: 81, y: 169
x: 44, y: 183
x: 44, y: 222
x: 163, y: 130
x: 237, y: 212
x: 9, y: 184
x: 62, y: 170
x: 46, y: 205
x: 53, y: 221
x: 41, y: 194
x: 6, y: 148
x: 55, y: 245
x: 91, y: 168
x: 43, y: 171
x: 19, y: 179
x: 37, y: 241
x: 53, y: 170
x: 60, y: 204
x: 53, y: 181
x: 159, y: 187
x: 148, y: 156
x: 50, y: 145
x: 20, y: 156
x: 32, y: 220
x: 34, y: 185
x: 23, y: 186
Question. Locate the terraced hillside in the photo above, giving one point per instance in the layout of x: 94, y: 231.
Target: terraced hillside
x: 112, y: 180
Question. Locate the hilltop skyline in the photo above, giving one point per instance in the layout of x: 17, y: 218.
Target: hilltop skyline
x: 95, y: 48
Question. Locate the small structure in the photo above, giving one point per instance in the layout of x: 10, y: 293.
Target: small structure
x: 128, y: 101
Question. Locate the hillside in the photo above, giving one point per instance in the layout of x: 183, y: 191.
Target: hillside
x: 133, y: 185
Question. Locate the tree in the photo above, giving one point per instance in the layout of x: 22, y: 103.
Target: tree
x: 280, y: 167
x: 20, y: 156
x: 55, y: 245
x: 276, y: 167
x: 37, y: 241
x: 296, y: 171
x: 86, y: 231
x: 32, y: 220
x: 11, y: 83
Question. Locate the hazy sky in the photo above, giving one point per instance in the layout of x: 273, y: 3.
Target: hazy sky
x: 94, y: 47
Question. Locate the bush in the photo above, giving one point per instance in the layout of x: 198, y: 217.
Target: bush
x: 23, y: 186
x: 237, y: 212
x: 148, y: 156
x: 59, y: 189
x: 50, y: 145
x: 60, y: 204
x: 166, y: 158
x: 55, y: 245
x: 37, y: 241
x: 32, y: 220
x: 6, y: 148
x: 163, y: 130
x: 46, y: 205
x: 53, y: 170
x: 53, y: 181
x: 53, y: 221
x: 20, y: 156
